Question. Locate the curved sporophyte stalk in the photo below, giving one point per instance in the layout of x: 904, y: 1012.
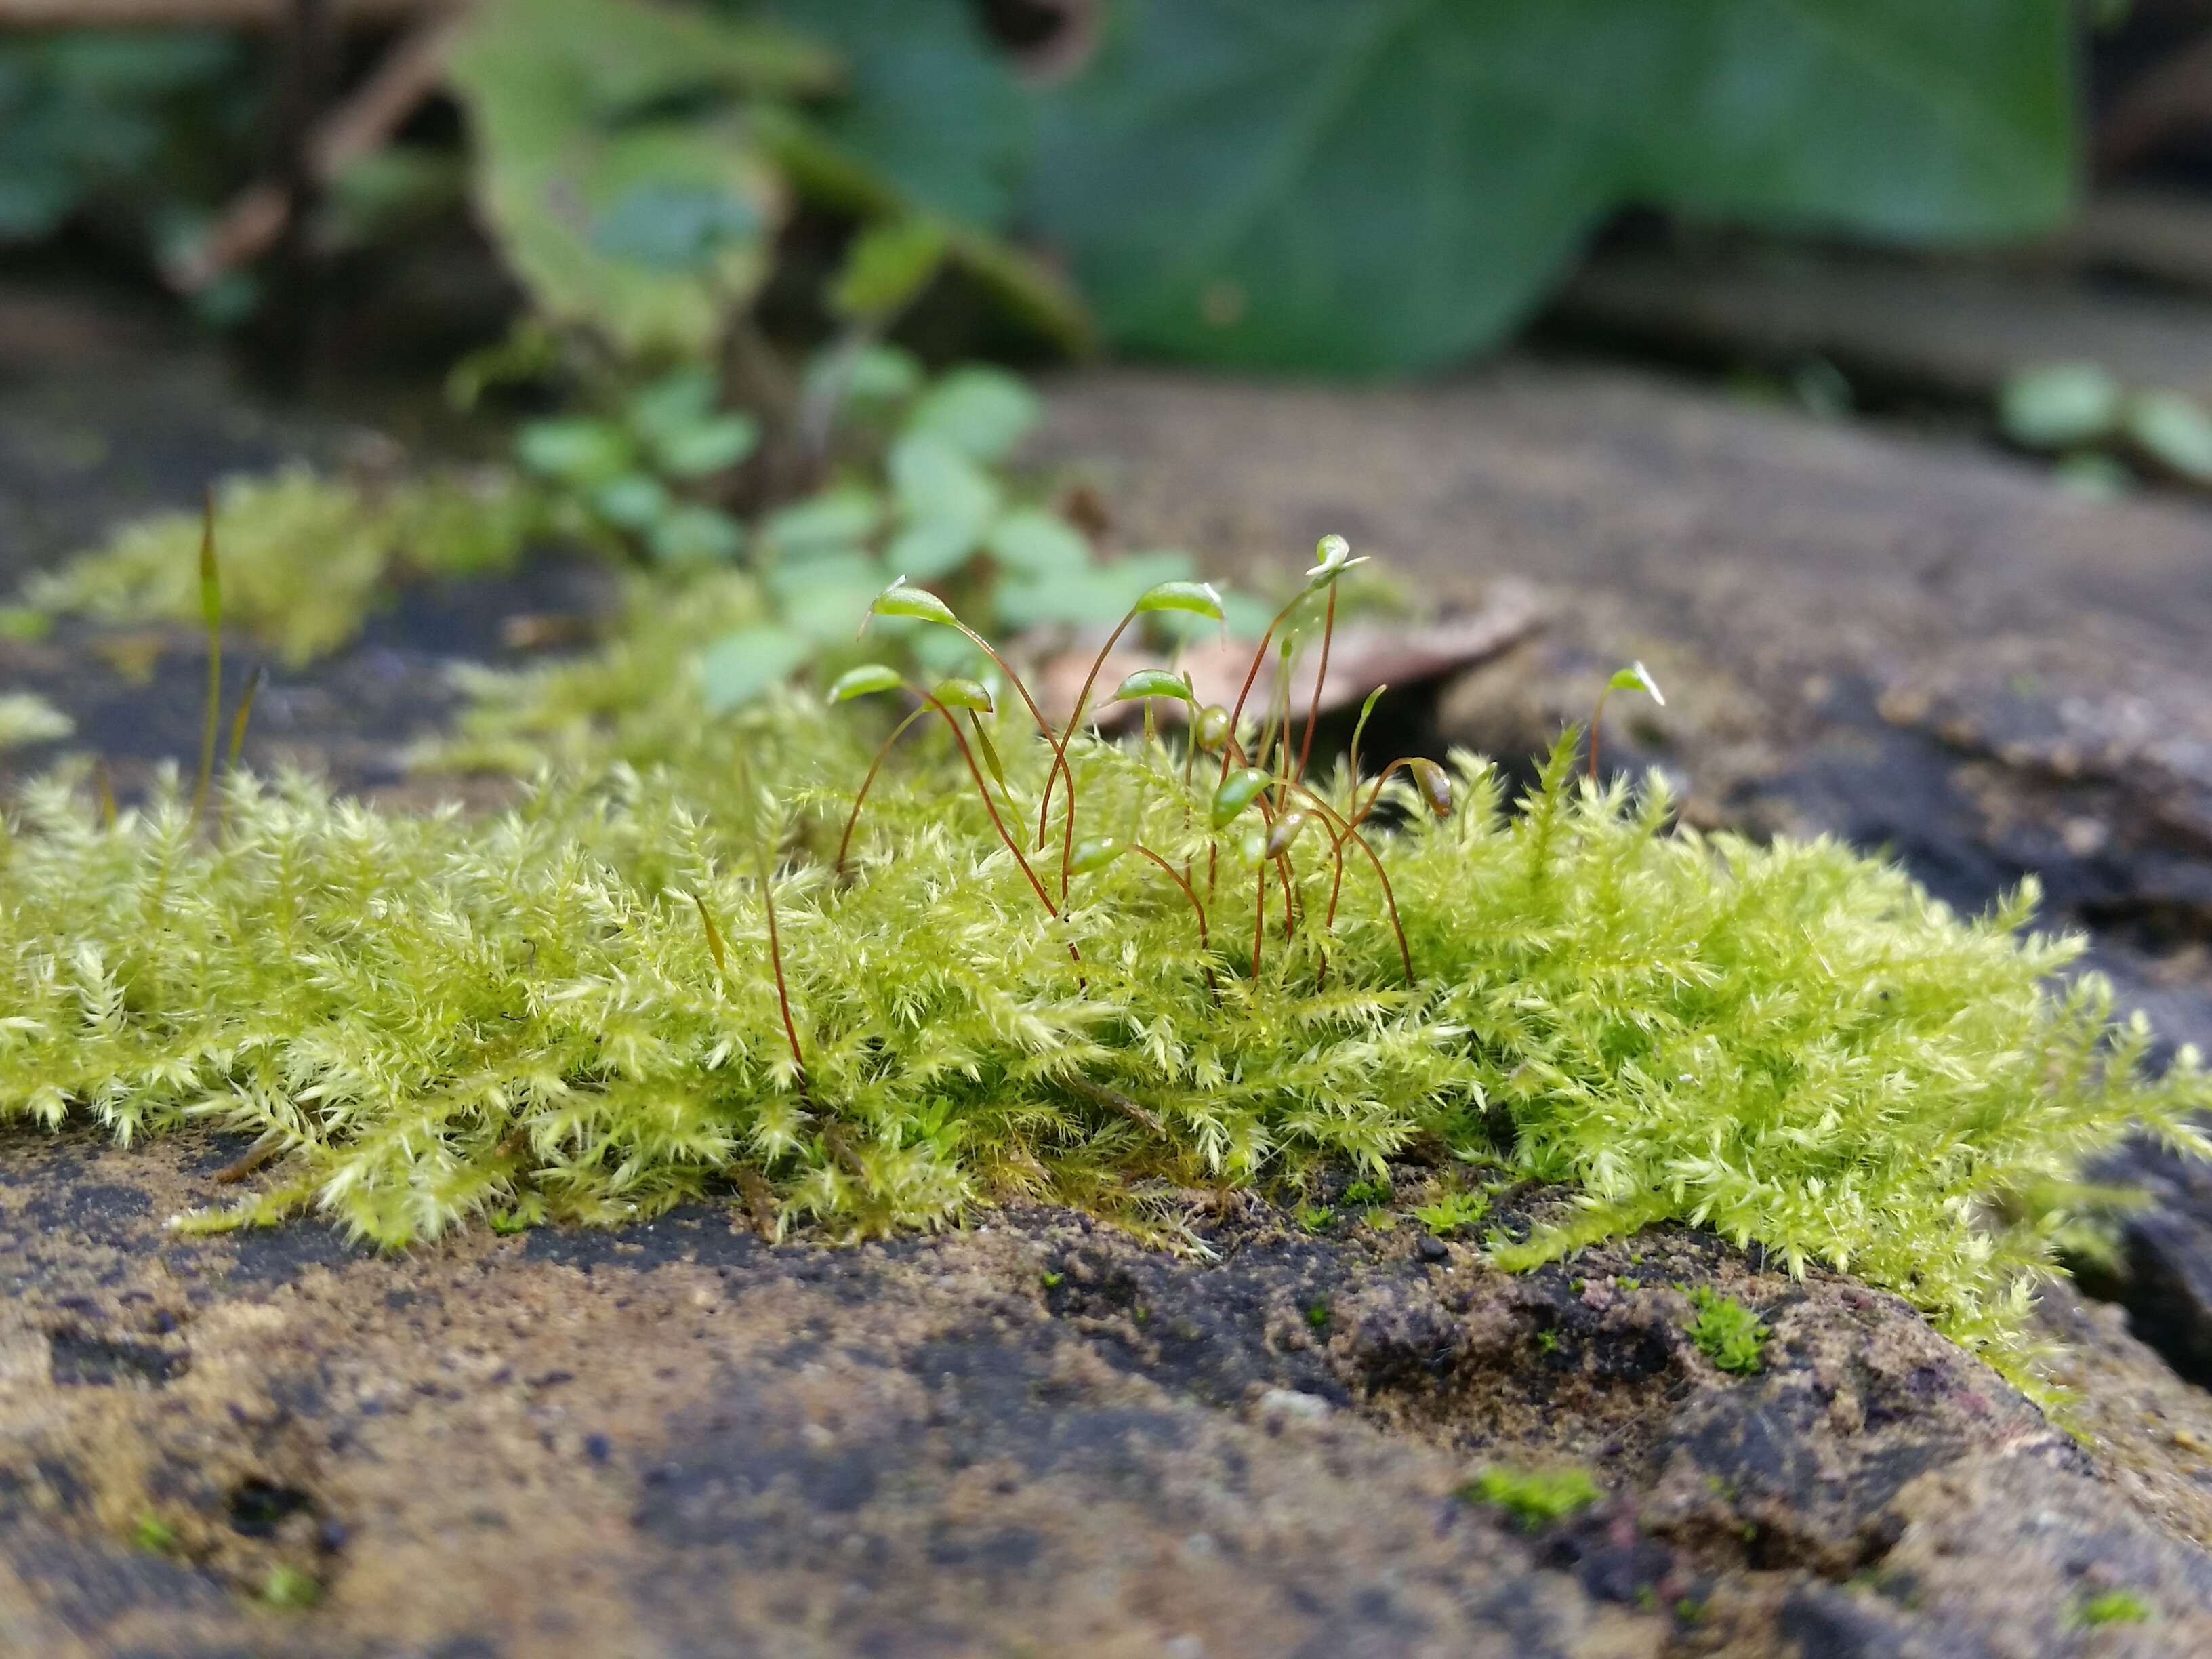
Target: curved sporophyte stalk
x: 1332, y: 555
x: 919, y: 605
x: 1634, y: 677
x: 1092, y: 856
x: 211, y: 618
x: 947, y: 695
x: 1194, y: 598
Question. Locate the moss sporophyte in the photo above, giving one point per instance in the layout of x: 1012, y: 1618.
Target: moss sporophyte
x: 870, y: 984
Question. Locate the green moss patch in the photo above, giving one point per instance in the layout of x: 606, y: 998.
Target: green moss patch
x: 572, y: 1010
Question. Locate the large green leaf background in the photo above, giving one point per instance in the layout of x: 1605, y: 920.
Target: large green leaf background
x: 1369, y: 185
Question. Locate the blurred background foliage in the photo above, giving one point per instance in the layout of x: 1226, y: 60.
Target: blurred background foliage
x: 1294, y: 185
x: 759, y: 268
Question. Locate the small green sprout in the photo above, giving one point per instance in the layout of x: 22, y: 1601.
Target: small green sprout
x: 1317, y: 1315
x: 154, y: 1535
x: 1315, y: 1217
x: 1547, y: 1341
x: 1534, y: 1498
x: 1375, y: 1190
x: 1451, y: 1212
x: 508, y: 1223
x: 290, y: 1589
x: 1634, y: 677
x: 1627, y: 1282
x: 1728, y: 1333
x: 1053, y: 1281
x: 2113, y: 1607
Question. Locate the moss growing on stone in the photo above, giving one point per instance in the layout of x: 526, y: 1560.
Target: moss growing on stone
x: 571, y: 1011
x: 1727, y: 1332
x: 1534, y: 1498
x: 306, y: 558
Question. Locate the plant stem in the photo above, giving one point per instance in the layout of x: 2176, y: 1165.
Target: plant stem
x: 211, y: 615
x: 1313, y: 708
x: 845, y: 844
x: 245, y: 713
x: 1597, y: 714
x: 1349, y: 831
x: 997, y: 823
x: 775, y: 958
x: 1060, y: 766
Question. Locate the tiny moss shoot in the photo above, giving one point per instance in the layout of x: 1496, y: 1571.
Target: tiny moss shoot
x: 2113, y: 1607
x: 1726, y: 1332
x: 1535, y: 1499
x: 573, y: 1010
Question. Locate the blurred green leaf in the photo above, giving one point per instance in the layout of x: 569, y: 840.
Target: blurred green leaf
x: 646, y: 229
x: 982, y: 412
x: 836, y: 519
x: 576, y: 450
x: 2173, y: 431
x: 941, y: 491
x: 1038, y: 543
x: 632, y: 502
x: 2059, y: 405
x: 885, y: 267
x: 711, y: 446
x: 932, y: 548
x: 1375, y: 187
x: 691, y: 534
x: 1097, y: 596
x: 669, y: 403
x: 738, y: 667
x: 928, y: 103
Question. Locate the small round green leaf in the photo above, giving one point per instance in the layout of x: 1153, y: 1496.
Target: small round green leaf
x: 711, y: 446
x: 982, y: 412
x: 583, y: 452
x: 866, y: 680
x: 964, y: 693
x: 1237, y: 791
x: 1200, y: 598
x: 834, y: 520
x: 1095, y: 854
x: 738, y: 667
x: 1038, y: 543
x: 2059, y: 405
x: 2175, y: 432
x: 632, y: 502
x: 1153, y: 682
x: 696, y: 535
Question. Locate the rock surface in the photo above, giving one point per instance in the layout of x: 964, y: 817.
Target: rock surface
x: 1033, y: 1436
